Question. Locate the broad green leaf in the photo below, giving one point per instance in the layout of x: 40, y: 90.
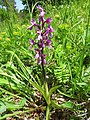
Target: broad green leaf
x: 53, y: 89
x: 12, y: 106
x: 22, y: 102
x: 39, y: 88
x: 2, y: 107
x: 55, y: 104
x: 10, y: 75
x: 7, y: 92
x: 47, y: 94
x: 21, y: 65
x: 65, y: 94
x: 68, y: 105
x: 15, y: 113
x: 3, y: 81
x: 82, y: 84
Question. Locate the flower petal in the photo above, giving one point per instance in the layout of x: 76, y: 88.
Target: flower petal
x: 32, y: 42
x: 40, y: 8
x: 37, y: 56
x: 48, y: 20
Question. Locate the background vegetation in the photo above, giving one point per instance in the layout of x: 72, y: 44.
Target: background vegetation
x: 68, y: 63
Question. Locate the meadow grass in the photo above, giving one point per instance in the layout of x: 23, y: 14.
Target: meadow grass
x: 68, y: 64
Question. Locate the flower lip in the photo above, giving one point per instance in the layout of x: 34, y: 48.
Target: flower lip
x: 33, y: 22
x: 39, y: 61
x: 30, y: 28
x: 37, y: 56
x: 42, y: 14
x: 40, y: 8
x: 50, y: 29
x: 32, y: 42
x: 48, y: 20
x: 48, y: 42
x: 39, y: 37
x: 37, y: 50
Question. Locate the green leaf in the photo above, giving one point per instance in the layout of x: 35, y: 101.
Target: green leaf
x: 22, y: 102
x: 21, y: 65
x: 53, y: 89
x: 3, y: 81
x: 68, y: 105
x: 13, y: 114
x: 10, y: 76
x: 13, y: 106
x: 39, y: 88
x: 55, y: 104
x: 2, y: 107
x: 65, y: 94
x: 82, y: 84
x: 47, y: 94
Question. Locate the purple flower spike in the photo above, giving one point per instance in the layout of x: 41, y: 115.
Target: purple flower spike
x: 43, y: 34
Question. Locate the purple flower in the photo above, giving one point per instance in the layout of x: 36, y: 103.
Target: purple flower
x: 39, y: 32
x: 50, y: 29
x: 43, y: 34
x: 44, y: 61
x: 43, y: 55
x: 48, y: 42
x: 39, y: 61
x: 33, y: 23
x: 40, y: 8
x: 37, y: 55
x: 48, y: 20
x: 39, y: 37
x: 42, y: 14
x: 32, y: 42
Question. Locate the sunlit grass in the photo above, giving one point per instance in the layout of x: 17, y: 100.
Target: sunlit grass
x: 68, y: 62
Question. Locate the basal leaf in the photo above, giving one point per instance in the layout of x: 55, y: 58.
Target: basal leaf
x: 2, y: 107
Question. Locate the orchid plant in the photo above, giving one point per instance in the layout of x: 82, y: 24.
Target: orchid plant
x: 44, y: 33
x: 43, y: 39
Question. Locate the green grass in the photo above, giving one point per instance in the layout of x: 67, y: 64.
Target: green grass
x: 68, y: 63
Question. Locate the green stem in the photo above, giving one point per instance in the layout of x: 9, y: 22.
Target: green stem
x: 13, y: 114
x: 29, y: 10
x: 48, y: 112
x: 48, y: 101
x: 43, y: 70
x: 87, y: 27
